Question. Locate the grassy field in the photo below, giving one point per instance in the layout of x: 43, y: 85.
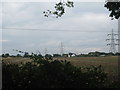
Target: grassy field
x: 109, y: 63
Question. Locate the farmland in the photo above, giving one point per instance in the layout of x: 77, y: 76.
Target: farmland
x: 58, y: 71
x: 109, y: 63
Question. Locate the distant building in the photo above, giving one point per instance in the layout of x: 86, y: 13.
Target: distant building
x: 71, y: 55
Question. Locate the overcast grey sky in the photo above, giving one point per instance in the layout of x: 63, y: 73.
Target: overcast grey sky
x: 81, y: 29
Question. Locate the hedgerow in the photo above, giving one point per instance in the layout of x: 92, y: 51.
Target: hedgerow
x: 42, y: 73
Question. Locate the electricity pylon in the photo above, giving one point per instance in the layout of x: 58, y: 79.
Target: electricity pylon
x: 61, y: 48
x: 112, y: 43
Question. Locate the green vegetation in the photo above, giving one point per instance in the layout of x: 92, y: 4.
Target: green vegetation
x: 45, y: 73
x: 5, y: 55
x: 59, y: 9
x: 90, y: 70
x: 48, y: 56
x: 55, y: 74
x: 114, y: 7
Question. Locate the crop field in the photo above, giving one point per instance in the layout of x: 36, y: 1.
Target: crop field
x: 109, y: 63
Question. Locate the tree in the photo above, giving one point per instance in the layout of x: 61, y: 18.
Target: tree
x: 48, y: 57
x: 70, y: 54
x: 114, y: 7
x: 26, y: 54
x: 56, y: 55
x: 59, y: 9
x: 5, y: 55
x: 18, y: 55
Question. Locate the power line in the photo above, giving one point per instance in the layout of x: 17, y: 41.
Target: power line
x: 50, y: 30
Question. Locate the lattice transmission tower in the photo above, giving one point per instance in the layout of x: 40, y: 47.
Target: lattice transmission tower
x: 112, y: 42
x: 61, y: 48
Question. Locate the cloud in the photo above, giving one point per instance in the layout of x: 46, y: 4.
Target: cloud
x: 52, y: 1
x: 30, y: 16
x: 4, y: 40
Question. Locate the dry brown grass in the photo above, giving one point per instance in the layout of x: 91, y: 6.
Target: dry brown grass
x: 109, y: 63
x: 16, y: 60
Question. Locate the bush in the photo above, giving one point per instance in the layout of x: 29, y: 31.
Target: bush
x: 51, y: 74
x: 5, y: 55
x: 48, y: 57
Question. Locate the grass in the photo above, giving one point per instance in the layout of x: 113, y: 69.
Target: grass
x: 109, y: 63
x: 16, y: 60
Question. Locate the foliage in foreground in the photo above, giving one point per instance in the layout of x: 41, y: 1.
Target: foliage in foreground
x: 114, y: 7
x: 42, y: 73
x: 59, y: 9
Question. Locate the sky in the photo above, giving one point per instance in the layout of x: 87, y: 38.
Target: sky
x: 81, y: 29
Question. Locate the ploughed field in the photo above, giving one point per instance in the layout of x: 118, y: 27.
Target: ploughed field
x: 109, y: 63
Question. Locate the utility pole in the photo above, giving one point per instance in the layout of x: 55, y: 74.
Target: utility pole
x: 112, y: 43
x: 119, y: 49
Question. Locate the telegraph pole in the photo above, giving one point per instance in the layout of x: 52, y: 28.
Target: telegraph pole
x: 119, y: 49
x: 112, y: 43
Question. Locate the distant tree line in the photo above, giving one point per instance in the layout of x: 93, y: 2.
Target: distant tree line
x: 50, y: 56
x: 98, y: 54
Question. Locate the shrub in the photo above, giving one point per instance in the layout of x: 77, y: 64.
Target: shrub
x: 48, y: 57
x: 5, y: 55
x: 43, y: 73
